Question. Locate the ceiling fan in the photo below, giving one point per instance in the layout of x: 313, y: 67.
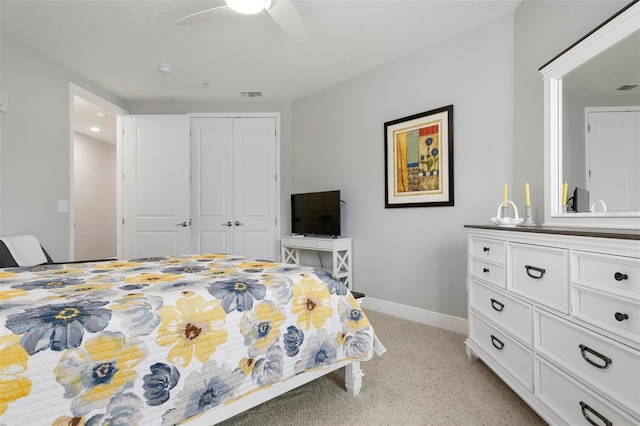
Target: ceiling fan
x: 283, y: 12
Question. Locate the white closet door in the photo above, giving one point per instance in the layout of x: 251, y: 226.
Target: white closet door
x: 212, y: 185
x: 254, y: 174
x: 612, y: 177
x: 156, y: 189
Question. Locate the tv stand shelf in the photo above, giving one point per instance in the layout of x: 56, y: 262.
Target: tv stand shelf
x: 340, y: 248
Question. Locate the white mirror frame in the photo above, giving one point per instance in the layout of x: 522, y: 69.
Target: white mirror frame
x: 607, y: 35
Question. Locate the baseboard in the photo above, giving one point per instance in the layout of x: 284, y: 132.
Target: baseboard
x: 435, y: 319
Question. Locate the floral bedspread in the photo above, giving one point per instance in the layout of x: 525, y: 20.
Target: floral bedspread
x: 156, y: 341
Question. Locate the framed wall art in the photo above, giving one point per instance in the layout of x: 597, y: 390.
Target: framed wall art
x: 419, y: 159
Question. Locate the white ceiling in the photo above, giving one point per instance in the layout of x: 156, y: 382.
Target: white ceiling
x: 118, y: 45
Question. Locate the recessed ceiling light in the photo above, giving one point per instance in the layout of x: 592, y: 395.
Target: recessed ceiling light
x: 94, y: 129
x: 164, y: 68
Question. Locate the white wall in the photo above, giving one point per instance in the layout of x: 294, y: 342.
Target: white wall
x: 36, y: 143
x: 413, y: 256
x: 95, y: 198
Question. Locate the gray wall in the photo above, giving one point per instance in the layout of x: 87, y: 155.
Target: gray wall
x: 35, y: 145
x: 413, y: 256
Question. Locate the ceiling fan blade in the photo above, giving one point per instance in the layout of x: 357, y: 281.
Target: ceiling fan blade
x: 198, y: 17
x: 287, y: 17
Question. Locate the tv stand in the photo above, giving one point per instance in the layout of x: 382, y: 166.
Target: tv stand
x: 340, y: 247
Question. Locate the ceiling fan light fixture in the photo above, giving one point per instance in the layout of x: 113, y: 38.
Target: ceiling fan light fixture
x: 248, y: 7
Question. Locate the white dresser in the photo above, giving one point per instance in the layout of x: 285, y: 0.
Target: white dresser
x: 555, y: 312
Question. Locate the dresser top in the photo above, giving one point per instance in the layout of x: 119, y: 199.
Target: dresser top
x: 623, y: 234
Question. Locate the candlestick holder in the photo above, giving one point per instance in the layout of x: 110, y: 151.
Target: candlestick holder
x: 528, y: 217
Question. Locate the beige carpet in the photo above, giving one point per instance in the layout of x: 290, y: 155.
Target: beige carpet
x: 424, y: 378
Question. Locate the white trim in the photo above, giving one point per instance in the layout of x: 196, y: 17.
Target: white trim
x: 75, y: 90
x: 613, y: 32
x: 435, y: 319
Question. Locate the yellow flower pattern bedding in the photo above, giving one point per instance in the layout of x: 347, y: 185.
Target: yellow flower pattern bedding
x: 158, y: 341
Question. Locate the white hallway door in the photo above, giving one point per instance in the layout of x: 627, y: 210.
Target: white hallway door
x: 234, y: 186
x: 156, y: 187
x: 612, y: 177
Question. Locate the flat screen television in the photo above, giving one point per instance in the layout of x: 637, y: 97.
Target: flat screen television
x: 316, y: 213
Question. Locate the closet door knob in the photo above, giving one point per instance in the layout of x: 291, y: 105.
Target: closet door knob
x: 238, y: 223
x: 227, y: 224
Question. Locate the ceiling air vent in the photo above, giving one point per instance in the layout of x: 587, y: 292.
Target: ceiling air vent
x: 251, y: 94
x: 627, y: 87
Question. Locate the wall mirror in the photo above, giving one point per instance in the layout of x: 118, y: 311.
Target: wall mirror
x: 592, y: 125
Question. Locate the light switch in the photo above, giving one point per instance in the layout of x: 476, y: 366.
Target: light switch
x: 63, y: 206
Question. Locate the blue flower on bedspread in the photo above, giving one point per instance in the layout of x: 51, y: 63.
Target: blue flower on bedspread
x: 261, y: 327
x: 138, y: 313
x: 269, y: 370
x: 106, y: 366
x: 335, y: 285
x: 123, y: 410
x: 358, y: 346
x: 188, y: 268
x: 293, y: 339
x: 279, y: 287
x: 49, y: 283
x: 59, y: 326
x: 204, y: 390
x: 351, y: 315
x: 237, y: 294
x: 157, y: 385
x: 319, y: 351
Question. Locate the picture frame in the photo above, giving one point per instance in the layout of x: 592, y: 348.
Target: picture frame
x: 419, y: 160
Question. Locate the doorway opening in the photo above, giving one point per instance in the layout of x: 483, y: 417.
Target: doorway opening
x: 94, y: 192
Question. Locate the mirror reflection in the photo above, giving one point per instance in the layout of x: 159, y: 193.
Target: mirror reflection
x: 601, y: 128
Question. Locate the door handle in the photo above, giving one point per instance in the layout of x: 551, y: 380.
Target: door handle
x: 238, y: 223
x: 227, y: 224
x: 183, y: 224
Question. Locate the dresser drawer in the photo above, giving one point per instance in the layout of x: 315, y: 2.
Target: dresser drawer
x: 606, y: 366
x: 492, y: 273
x: 573, y: 402
x: 511, y: 314
x: 616, y: 274
x: 615, y: 314
x: 540, y: 274
x: 514, y: 357
x: 484, y: 248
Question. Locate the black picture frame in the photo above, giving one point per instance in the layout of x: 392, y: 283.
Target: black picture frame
x: 419, y: 160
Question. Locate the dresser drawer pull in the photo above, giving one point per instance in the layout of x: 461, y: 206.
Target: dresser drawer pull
x: 621, y: 317
x: 619, y: 276
x: 535, y: 270
x: 497, y: 305
x: 496, y: 342
x: 586, y: 408
x: 584, y: 349
x: 485, y: 249
x: 485, y: 270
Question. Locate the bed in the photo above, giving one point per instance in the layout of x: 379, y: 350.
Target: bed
x: 170, y: 340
